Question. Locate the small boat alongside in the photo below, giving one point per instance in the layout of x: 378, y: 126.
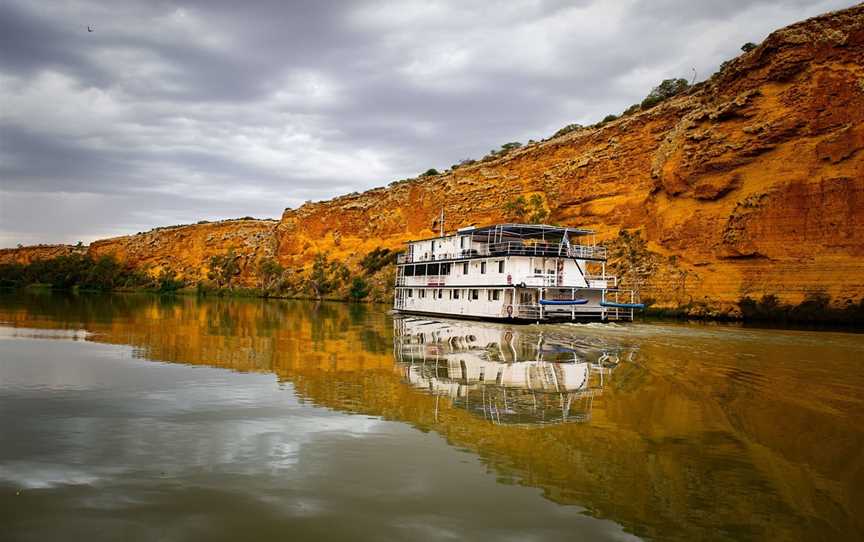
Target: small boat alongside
x: 579, y: 301
x: 638, y: 306
x: 512, y: 272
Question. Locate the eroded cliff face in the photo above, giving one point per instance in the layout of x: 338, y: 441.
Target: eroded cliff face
x: 26, y: 255
x: 186, y: 250
x: 751, y: 184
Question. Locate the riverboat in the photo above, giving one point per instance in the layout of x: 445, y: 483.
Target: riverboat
x: 513, y: 272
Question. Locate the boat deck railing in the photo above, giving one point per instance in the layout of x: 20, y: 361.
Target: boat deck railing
x: 611, y: 281
x: 512, y: 248
x: 591, y: 310
x: 541, y: 280
x: 528, y: 311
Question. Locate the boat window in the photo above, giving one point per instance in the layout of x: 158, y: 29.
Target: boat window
x: 496, y: 295
x: 465, y: 268
x: 445, y: 268
x: 475, y: 294
x: 433, y: 269
x: 500, y: 266
x: 421, y: 293
x: 482, y: 268
x: 462, y: 242
x: 455, y: 294
x: 410, y: 292
x: 440, y: 294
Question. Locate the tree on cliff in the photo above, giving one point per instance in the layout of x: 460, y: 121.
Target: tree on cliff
x: 664, y: 91
x: 102, y: 274
x: 271, y: 273
x: 532, y: 210
x: 318, y: 282
x: 223, y: 268
x: 359, y: 289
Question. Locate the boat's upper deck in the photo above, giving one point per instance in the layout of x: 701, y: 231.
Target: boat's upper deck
x: 504, y: 240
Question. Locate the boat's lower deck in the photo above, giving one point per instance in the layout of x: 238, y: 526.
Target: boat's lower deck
x: 515, y: 303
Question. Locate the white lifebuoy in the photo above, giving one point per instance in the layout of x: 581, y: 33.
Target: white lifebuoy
x: 509, y: 311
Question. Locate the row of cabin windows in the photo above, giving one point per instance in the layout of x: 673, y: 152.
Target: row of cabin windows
x: 425, y: 269
x: 463, y: 243
x: 470, y: 294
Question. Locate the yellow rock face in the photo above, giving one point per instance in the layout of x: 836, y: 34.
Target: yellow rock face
x: 751, y: 184
x: 26, y: 255
x: 187, y: 250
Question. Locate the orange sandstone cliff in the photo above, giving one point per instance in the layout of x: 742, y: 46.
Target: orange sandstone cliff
x: 29, y: 254
x: 750, y: 184
x: 186, y: 250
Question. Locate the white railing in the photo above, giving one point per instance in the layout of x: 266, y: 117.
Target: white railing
x: 512, y: 248
x: 540, y: 280
x: 434, y: 280
x: 528, y: 311
x: 601, y: 281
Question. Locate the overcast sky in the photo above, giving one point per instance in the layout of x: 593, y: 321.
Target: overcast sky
x: 174, y: 112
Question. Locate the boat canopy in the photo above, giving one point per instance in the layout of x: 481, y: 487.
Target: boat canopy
x: 503, y: 232
x: 512, y: 232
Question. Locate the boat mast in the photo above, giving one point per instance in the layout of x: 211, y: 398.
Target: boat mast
x: 442, y: 221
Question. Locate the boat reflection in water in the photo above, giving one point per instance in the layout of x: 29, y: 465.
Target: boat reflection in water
x: 507, y: 374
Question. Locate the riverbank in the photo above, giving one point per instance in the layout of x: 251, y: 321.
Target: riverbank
x: 766, y: 314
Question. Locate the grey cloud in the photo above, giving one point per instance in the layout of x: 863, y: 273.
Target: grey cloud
x: 179, y: 111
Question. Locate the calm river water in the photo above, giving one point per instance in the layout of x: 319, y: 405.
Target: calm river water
x: 130, y: 417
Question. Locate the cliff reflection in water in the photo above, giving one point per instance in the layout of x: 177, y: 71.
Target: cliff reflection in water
x: 706, y: 432
x: 506, y: 374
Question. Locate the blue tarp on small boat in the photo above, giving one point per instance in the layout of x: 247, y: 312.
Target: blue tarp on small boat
x: 577, y: 301
x: 622, y: 305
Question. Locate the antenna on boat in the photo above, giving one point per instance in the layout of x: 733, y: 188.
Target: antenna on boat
x: 442, y: 221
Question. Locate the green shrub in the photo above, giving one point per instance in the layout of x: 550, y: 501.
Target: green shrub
x: 463, y: 162
x: 630, y: 110
x: 533, y: 209
x: 71, y: 271
x: 377, y: 259
x: 749, y: 46
x: 609, y: 118
x: 270, y: 273
x: 567, y: 129
x: 167, y: 282
x: 319, y: 284
x: 430, y: 172
x: 223, y: 268
x: 359, y: 289
x: 665, y: 90
x: 102, y: 274
x: 816, y: 308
